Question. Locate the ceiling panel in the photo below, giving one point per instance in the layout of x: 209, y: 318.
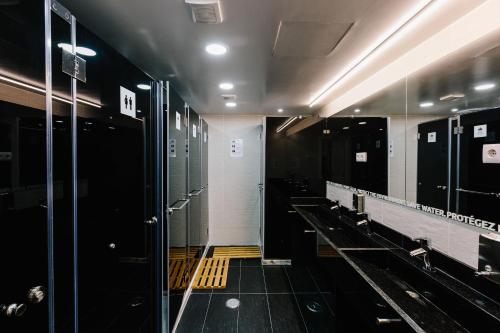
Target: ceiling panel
x: 161, y: 38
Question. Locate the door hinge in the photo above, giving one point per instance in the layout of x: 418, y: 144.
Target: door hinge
x: 74, y: 65
x: 458, y: 130
x: 61, y: 11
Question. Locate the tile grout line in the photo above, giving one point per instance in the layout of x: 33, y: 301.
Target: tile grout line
x: 239, y: 299
x: 267, y: 299
x: 206, y: 313
x: 319, y: 292
x: 296, y: 300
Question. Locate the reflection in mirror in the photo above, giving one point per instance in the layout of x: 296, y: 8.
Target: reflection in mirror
x: 374, y: 130
x: 452, y: 132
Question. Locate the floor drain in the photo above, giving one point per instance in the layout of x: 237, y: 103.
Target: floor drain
x: 232, y: 303
x: 314, y: 307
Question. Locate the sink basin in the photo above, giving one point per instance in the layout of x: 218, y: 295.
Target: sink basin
x: 416, y: 289
x: 341, y: 234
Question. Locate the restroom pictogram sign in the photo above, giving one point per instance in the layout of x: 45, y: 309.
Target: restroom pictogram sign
x: 127, y: 102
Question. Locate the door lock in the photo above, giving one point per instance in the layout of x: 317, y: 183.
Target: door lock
x: 13, y: 310
x: 36, y: 294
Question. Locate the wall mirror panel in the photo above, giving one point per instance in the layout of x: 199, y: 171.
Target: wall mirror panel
x: 455, y: 167
x: 368, y: 143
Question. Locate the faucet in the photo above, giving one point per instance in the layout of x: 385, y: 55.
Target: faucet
x: 423, y: 251
x: 488, y: 271
x: 366, y: 223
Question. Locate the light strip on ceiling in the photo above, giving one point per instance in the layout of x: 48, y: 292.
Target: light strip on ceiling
x: 384, y: 38
x: 286, y: 123
x: 41, y: 90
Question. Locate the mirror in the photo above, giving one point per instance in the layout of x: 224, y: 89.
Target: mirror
x: 369, y: 140
x: 453, y: 133
x: 432, y: 138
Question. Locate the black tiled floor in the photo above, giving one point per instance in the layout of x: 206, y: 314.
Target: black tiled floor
x: 319, y: 278
x: 301, y: 280
x: 252, y: 280
x: 251, y: 262
x: 285, y: 314
x: 254, y: 314
x: 194, y: 314
x: 316, y: 313
x: 219, y: 317
x: 233, y: 282
x: 276, y: 279
x: 267, y: 302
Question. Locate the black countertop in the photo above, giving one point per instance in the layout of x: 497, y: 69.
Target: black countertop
x: 420, y: 312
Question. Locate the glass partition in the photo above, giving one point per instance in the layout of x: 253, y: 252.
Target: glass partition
x: 23, y: 173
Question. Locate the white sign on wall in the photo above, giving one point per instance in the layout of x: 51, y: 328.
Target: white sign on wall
x: 362, y: 157
x: 204, y: 136
x: 236, y: 148
x: 431, y: 137
x: 194, y: 131
x: 480, y: 131
x: 127, y: 102
x: 178, y: 121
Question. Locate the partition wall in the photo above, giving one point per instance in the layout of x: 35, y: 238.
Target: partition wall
x: 90, y: 191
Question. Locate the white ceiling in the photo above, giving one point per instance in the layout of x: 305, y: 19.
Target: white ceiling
x: 161, y: 38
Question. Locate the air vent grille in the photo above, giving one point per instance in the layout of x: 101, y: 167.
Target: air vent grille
x: 205, y: 11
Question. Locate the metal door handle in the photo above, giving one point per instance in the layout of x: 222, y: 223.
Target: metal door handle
x: 309, y: 231
x: 497, y: 195
x: 173, y: 208
x: 384, y: 321
x: 195, y: 193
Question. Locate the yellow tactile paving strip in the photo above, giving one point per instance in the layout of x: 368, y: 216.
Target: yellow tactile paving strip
x: 212, y: 273
x: 244, y: 252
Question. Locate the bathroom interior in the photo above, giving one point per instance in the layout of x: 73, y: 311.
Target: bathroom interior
x: 249, y: 166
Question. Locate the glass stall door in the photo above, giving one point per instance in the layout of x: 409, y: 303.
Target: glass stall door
x: 116, y: 192
x: 178, y: 203
x: 195, y: 190
x: 23, y: 173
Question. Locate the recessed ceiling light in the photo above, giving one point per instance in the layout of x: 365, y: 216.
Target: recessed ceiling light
x: 484, y: 86
x: 280, y: 110
x: 362, y: 123
x: 59, y: 121
x: 85, y: 51
x: 226, y: 86
x: 231, y: 104
x: 357, y: 111
x: 144, y: 86
x: 216, y: 49
x: 426, y: 104
x: 454, y: 110
x: 345, y: 128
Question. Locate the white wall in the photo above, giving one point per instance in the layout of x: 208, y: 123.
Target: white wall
x: 233, y: 182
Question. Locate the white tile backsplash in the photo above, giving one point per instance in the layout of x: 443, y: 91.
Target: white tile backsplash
x: 456, y: 240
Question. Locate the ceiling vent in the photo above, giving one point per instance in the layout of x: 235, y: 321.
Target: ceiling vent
x: 452, y: 97
x: 309, y: 39
x: 229, y: 97
x: 206, y: 11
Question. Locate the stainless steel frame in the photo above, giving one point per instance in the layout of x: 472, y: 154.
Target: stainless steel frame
x: 50, y: 189
x: 74, y: 174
